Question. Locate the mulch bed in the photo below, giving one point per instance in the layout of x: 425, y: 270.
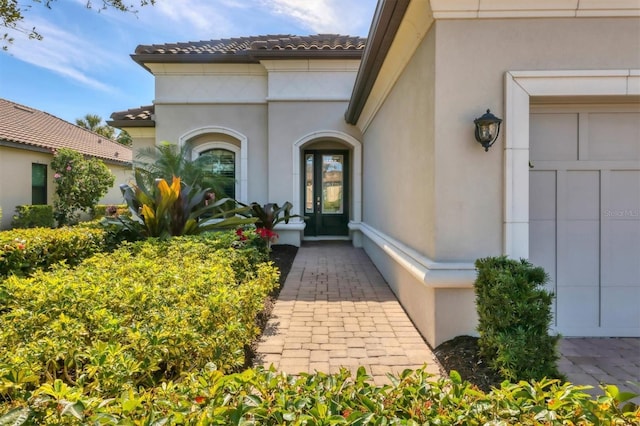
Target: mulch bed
x: 282, y: 256
x: 462, y: 354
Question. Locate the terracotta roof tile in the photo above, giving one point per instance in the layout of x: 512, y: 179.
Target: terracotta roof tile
x: 28, y: 126
x: 135, y: 114
x: 252, y: 46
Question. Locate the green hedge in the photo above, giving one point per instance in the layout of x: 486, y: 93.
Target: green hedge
x: 258, y: 397
x: 514, y: 316
x: 22, y: 251
x: 33, y: 216
x: 145, y: 313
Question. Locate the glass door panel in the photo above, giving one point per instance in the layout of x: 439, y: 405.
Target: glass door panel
x: 332, y: 184
x: 325, y: 191
x: 308, y: 196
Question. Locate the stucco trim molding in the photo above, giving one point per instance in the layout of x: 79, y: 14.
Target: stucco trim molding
x: 470, y: 9
x: 242, y: 177
x: 432, y: 274
x: 356, y: 146
x: 520, y: 87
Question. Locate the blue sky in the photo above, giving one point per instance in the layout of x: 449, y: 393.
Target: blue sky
x: 83, y: 66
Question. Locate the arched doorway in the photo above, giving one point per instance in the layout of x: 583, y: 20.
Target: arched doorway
x: 328, y: 182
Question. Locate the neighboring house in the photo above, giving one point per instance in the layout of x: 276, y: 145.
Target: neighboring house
x: 560, y: 186
x: 28, y: 138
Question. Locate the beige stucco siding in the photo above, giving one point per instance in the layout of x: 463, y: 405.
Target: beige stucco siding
x: 398, y: 157
x: 176, y: 121
x: 289, y: 122
x: 470, y: 78
x: 15, y: 180
x: 122, y: 174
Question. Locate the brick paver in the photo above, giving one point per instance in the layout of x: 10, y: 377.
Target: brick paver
x: 335, y: 310
x: 592, y: 361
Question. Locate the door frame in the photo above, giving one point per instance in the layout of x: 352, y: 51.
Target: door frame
x: 316, y: 220
x: 520, y: 86
x: 355, y: 148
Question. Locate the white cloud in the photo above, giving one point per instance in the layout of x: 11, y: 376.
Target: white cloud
x: 325, y: 16
x: 196, y: 18
x: 64, y: 53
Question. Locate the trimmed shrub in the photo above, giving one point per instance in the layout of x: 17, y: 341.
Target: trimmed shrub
x: 33, y: 216
x: 514, y: 312
x: 22, y: 251
x: 259, y: 397
x: 146, y: 313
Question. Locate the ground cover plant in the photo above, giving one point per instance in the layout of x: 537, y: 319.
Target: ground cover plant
x: 264, y: 397
x: 23, y: 251
x: 146, y: 313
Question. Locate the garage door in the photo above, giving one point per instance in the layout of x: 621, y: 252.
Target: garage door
x: 584, y: 212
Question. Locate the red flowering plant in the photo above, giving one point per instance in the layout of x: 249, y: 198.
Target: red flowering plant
x: 268, y: 216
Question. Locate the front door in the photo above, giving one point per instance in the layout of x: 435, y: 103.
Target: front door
x: 326, y: 189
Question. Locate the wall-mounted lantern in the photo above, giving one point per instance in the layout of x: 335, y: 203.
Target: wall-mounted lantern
x: 487, y: 129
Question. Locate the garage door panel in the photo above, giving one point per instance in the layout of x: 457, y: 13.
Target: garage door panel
x: 621, y: 253
x: 554, y: 136
x: 578, y: 307
x: 542, y: 249
x: 623, y: 195
x: 578, y: 253
x: 542, y: 187
x: 592, y: 199
x: 614, y: 136
x: 583, y: 195
x: 619, y: 307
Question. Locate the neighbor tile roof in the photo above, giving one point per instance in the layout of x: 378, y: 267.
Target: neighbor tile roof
x: 251, y: 49
x: 23, y: 125
x: 134, y: 117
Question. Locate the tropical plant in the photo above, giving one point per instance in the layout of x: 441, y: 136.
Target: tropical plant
x: 167, y: 160
x: 268, y: 216
x: 80, y: 183
x: 165, y: 210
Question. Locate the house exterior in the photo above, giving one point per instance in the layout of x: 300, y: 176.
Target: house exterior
x: 28, y: 138
x: 560, y: 186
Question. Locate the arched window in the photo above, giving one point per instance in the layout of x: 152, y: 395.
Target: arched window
x: 222, y: 162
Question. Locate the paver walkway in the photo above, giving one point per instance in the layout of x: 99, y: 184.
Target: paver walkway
x: 335, y: 310
x: 591, y: 361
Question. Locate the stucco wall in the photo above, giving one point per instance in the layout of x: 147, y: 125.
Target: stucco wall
x: 15, y: 180
x: 470, y: 79
x: 123, y: 174
x: 174, y: 121
x: 288, y: 123
x: 398, y: 157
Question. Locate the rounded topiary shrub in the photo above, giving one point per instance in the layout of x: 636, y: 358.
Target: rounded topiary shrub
x: 514, y: 315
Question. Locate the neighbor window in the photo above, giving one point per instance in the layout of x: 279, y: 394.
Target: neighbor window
x: 38, y: 183
x: 222, y: 164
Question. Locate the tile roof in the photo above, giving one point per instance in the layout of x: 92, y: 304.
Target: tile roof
x: 134, y: 117
x: 23, y: 125
x: 251, y: 49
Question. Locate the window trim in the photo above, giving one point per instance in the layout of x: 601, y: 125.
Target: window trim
x: 46, y: 186
x: 242, y: 172
x: 208, y: 146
